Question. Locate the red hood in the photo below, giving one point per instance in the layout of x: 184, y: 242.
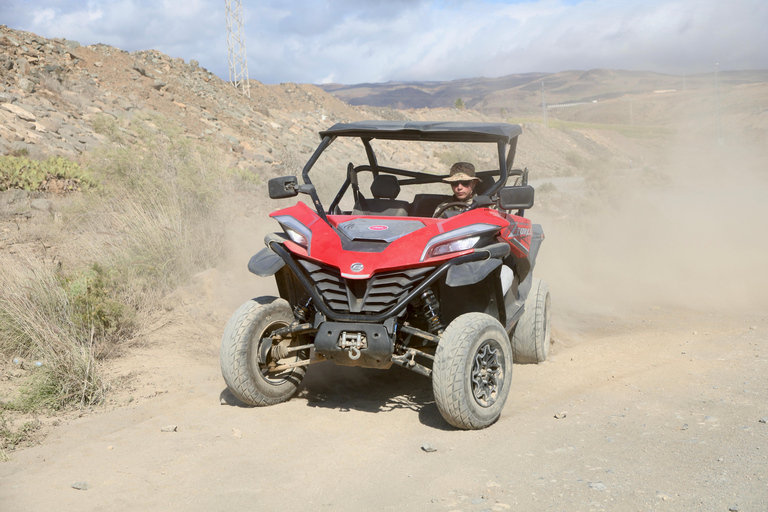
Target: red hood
x: 403, y: 239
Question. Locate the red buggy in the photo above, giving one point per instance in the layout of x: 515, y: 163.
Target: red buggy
x: 383, y: 278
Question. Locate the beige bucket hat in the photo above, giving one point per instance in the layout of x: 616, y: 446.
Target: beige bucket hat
x: 461, y: 171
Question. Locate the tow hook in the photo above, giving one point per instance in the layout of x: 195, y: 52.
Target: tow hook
x: 354, y: 341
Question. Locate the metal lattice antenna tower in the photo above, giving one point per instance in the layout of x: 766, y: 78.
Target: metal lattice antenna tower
x: 238, y: 64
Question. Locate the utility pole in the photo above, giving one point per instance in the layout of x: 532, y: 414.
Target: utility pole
x: 238, y: 63
x: 543, y: 105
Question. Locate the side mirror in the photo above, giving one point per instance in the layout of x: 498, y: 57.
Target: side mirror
x: 516, y: 198
x: 282, y: 187
x: 288, y: 186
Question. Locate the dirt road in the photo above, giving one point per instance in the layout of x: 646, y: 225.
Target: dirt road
x: 639, y: 410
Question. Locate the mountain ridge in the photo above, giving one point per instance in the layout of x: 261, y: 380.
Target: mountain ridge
x: 525, y: 92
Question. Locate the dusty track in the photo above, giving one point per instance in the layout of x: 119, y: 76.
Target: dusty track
x: 661, y: 408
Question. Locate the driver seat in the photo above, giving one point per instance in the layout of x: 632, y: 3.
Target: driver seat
x: 384, y: 188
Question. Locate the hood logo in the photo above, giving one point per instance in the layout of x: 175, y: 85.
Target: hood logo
x: 378, y: 227
x: 356, y: 267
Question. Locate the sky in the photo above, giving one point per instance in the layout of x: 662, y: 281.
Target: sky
x: 357, y: 41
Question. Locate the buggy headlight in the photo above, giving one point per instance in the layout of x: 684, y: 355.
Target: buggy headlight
x: 457, y: 240
x: 297, y: 231
x: 453, y: 246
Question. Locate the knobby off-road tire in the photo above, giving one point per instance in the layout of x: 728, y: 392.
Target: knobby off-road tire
x: 472, y: 372
x: 531, y: 336
x: 250, y: 381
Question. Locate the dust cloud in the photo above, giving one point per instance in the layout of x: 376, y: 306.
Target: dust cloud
x: 691, y: 234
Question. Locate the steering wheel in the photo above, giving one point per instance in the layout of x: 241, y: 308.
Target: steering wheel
x: 442, y: 209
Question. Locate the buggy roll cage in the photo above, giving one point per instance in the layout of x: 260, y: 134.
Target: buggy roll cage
x: 502, y: 134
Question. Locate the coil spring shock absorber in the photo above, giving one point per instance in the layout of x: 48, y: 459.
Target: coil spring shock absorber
x: 300, y: 313
x: 430, y: 308
x: 301, y: 310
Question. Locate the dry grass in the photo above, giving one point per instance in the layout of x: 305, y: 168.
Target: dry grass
x: 38, y: 321
x: 155, y: 219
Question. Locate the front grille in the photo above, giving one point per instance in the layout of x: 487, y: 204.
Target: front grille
x: 367, y: 296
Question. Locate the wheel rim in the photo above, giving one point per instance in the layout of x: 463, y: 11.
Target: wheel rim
x: 272, y: 377
x: 487, y: 373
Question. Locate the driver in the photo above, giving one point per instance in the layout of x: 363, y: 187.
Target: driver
x: 463, y: 182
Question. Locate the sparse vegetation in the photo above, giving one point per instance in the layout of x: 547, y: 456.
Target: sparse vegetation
x: 160, y: 202
x: 156, y: 212
x: 575, y: 159
x: 27, y: 174
x: 480, y: 157
x: 448, y: 158
x: 10, y: 438
x: 38, y: 321
x: 637, y: 132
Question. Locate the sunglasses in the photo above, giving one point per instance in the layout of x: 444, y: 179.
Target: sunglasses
x: 464, y: 183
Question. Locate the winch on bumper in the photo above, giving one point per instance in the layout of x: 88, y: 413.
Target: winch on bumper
x: 355, y: 344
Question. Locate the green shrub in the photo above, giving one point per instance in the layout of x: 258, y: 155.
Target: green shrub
x: 94, y: 298
x: 24, y: 173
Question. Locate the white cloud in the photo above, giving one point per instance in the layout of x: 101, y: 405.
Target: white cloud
x: 354, y: 41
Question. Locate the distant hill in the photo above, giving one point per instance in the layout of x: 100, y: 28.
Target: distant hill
x: 521, y: 94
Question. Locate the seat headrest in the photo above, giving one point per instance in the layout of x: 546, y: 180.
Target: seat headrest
x: 486, y: 182
x: 385, y: 186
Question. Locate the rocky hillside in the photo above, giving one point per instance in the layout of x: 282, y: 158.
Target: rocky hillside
x: 54, y: 92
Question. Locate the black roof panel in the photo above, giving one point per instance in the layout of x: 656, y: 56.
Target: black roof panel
x: 426, y: 130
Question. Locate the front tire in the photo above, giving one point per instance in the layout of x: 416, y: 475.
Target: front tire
x: 472, y: 372
x: 531, y: 337
x: 251, y: 381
